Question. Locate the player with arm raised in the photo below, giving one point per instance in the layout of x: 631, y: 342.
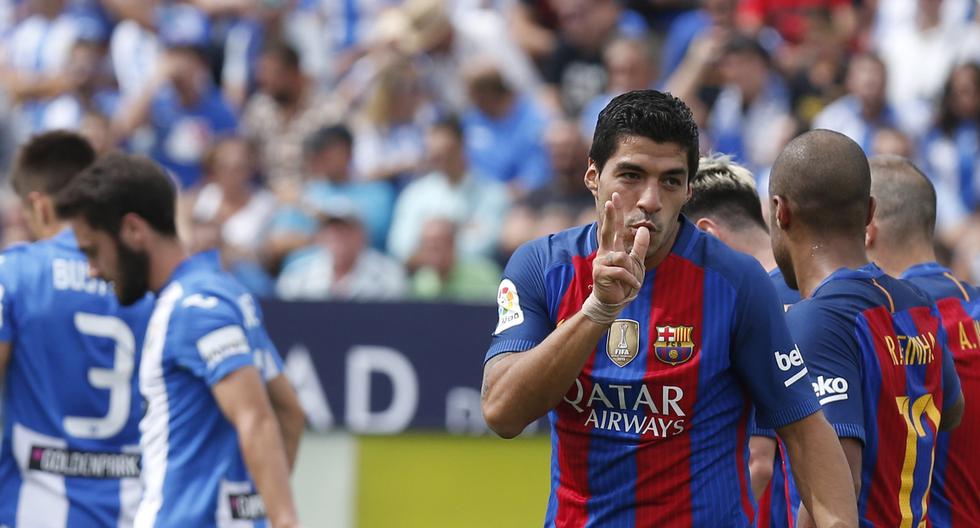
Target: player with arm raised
x: 900, y: 239
x: 725, y: 203
x: 68, y: 354
x: 646, y: 342
x: 207, y: 409
x: 874, y: 344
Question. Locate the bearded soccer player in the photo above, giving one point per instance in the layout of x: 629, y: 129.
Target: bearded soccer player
x: 900, y: 240
x: 647, y: 342
x: 207, y: 412
x: 725, y: 203
x: 874, y: 344
x: 70, y: 454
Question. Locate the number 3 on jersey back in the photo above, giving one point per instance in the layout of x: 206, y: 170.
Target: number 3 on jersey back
x: 912, y: 412
x: 117, y: 380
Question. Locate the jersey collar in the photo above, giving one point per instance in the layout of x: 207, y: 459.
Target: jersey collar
x: 203, y: 261
x: 925, y: 269
x: 66, y: 237
x: 869, y: 271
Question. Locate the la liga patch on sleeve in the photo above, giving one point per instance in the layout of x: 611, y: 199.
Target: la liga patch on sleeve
x: 509, y: 313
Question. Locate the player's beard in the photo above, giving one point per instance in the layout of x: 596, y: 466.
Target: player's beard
x: 133, y: 280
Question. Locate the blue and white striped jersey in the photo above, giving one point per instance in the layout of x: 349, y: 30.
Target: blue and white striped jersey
x: 204, y: 327
x: 70, y: 452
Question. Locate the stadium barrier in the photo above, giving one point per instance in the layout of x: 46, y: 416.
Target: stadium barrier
x: 384, y: 368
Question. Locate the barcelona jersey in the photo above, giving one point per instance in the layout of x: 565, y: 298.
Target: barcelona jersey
x: 879, y: 362
x: 654, y: 431
x: 956, y: 479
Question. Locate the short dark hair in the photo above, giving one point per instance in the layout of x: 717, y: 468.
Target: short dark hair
x: 326, y: 136
x: 284, y: 53
x: 905, y: 200
x: 47, y: 162
x: 119, y: 184
x: 451, y: 124
x: 648, y: 113
x: 826, y: 177
x: 725, y: 191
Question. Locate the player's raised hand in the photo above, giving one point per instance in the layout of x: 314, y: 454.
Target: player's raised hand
x: 617, y: 275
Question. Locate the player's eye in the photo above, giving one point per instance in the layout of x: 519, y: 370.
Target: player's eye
x: 631, y: 176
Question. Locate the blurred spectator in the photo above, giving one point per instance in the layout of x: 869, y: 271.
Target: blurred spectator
x: 533, y: 25
x: 630, y: 67
x: 37, y: 52
x: 286, y: 110
x: 919, y: 56
x: 565, y: 202
x: 181, y: 105
x: 441, y: 274
x: 892, y: 142
x: 232, y: 199
x: 328, y: 178
x: 863, y: 111
x: 478, y: 206
x: 792, y: 18
x: 751, y: 118
x: 445, y: 42
x: 503, y: 132
x: 94, y: 89
x: 575, y: 73
x: 951, y: 150
x: 134, y: 46
x: 390, y: 133
x: 340, y: 265
x: 717, y: 16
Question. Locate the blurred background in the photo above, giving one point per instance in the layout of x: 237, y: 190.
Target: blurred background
x: 368, y: 166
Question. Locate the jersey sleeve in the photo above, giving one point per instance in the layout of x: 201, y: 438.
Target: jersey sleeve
x: 766, y: 358
x: 833, y: 356
x: 212, y: 341
x: 522, y: 305
x: 8, y: 289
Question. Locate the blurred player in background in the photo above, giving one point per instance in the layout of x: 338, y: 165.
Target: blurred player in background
x: 725, y: 203
x: 900, y: 239
x: 206, y: 410
x: 874, y: 344
x: 70, y: 454
x: 637, y: 335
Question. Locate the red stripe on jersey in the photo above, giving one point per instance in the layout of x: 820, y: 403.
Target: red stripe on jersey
x: 573, y: 434
x: 764, y: 517
x: 962, y: 463
x: 744, y: 482
x: 663, y: 492
x: 890, y: 496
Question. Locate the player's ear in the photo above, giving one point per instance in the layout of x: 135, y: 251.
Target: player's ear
x: 592, y: 178
x: 781, y: 213
x: 871, y: 235
x: 708, y: 226
x: 132, y: 231
x: 872, y: 205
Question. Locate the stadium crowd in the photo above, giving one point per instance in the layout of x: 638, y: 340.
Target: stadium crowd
x: 376, y: 149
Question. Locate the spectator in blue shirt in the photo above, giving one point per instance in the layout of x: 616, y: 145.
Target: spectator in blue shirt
x: 504, y: 131
x: 182, y: 106
x: 689, y: 26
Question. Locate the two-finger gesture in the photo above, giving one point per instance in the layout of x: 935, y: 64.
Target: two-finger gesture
x: 617, y: 275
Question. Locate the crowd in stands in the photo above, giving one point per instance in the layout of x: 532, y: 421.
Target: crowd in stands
x: 382, y: 149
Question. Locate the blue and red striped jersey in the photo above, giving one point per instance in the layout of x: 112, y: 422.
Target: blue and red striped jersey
x: 879, y: 362
x: 780, y: 500
x: 654, y: 431
x: 955, y: 498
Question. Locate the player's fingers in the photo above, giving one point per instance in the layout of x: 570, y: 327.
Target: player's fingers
x: 617, y: 259
x: 641, y: 241
x: 619, y: 221
x: 607, y: 228
x: 622, y: 276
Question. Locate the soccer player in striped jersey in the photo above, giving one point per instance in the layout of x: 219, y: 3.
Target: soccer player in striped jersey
x: 207, y: 411
x: 647, y: 342
x: 900, y: 240
x: 70, y: 453
x: 874, y: 344
x: 725, y: 203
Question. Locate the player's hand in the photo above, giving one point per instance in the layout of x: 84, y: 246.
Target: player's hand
x: 617, y: 275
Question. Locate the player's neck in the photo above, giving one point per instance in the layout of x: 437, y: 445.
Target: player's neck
x: 164, y: 260
x: 816, y: 259
x: 52, y: 230
x: 897, y: 262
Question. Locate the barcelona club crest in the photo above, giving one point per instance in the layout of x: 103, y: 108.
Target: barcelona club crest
x: 674, y: 344
x: 623, y: 341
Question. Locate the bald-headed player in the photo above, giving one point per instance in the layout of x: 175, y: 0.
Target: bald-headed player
x: 874, y: 344
x: 900, y: 239
x: 725, y: 203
